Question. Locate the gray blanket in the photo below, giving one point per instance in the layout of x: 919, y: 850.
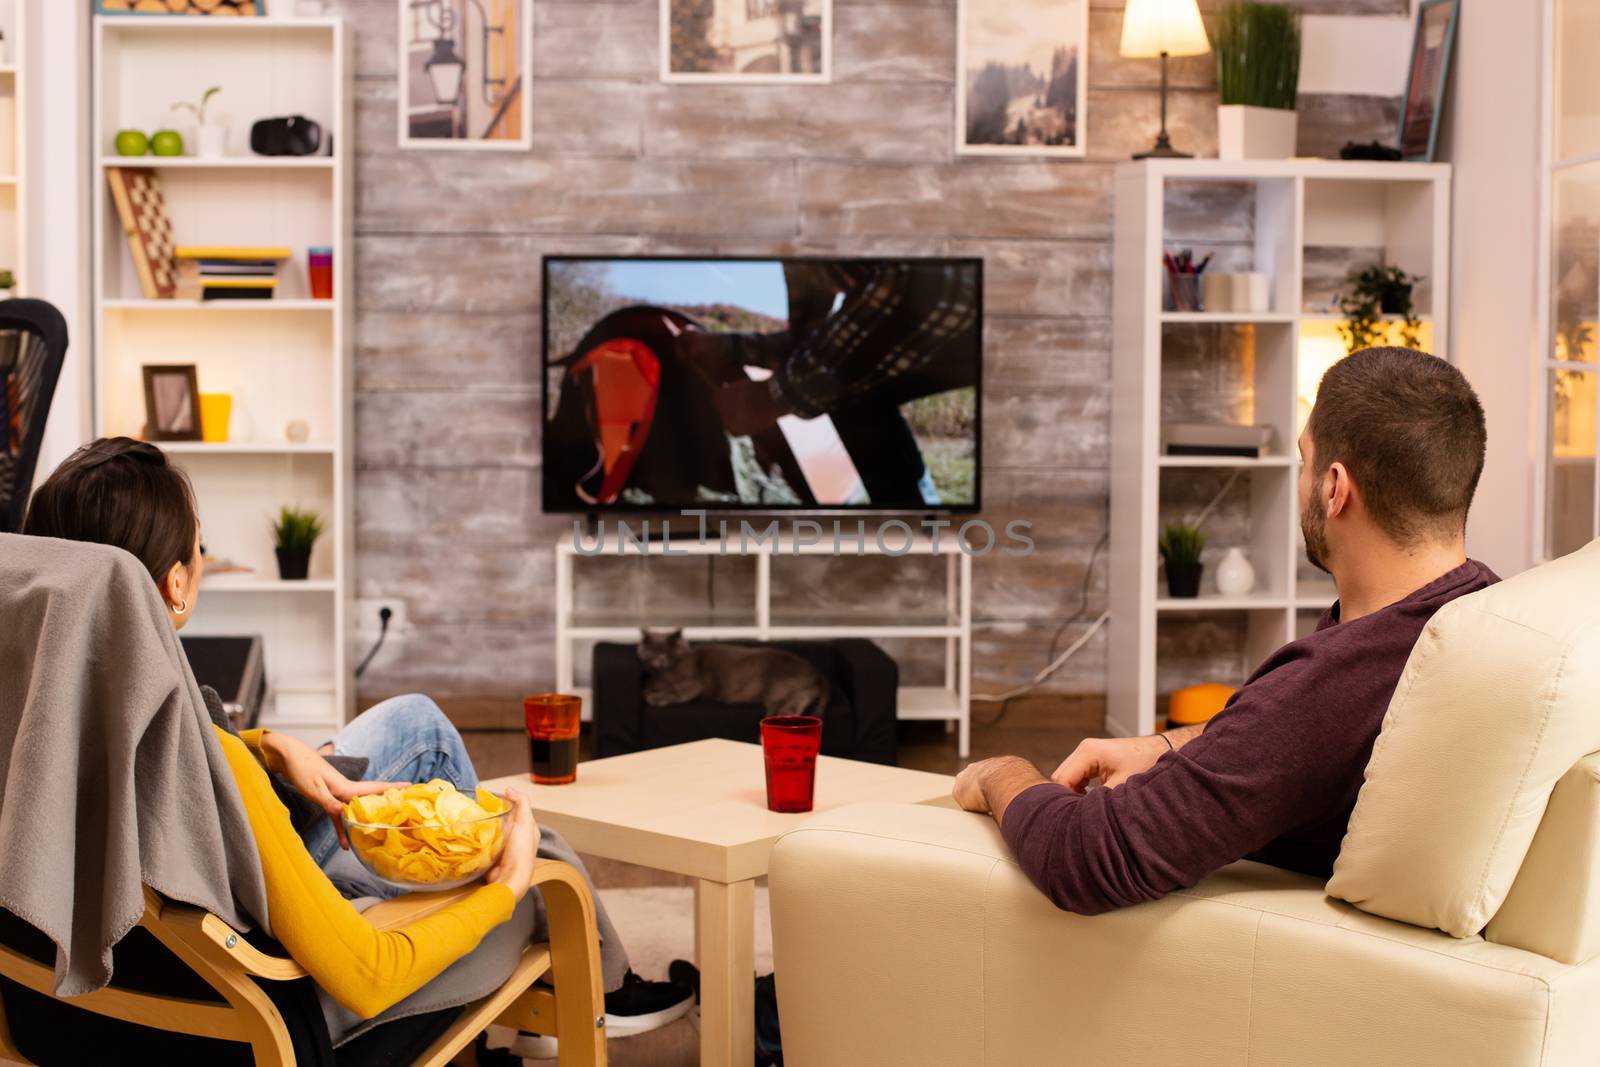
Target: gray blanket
x: 110, y: 773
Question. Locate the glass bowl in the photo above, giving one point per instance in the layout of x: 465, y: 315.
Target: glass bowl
x: 432, y: 856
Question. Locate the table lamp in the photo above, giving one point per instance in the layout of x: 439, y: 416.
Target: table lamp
x: 1163, y: 28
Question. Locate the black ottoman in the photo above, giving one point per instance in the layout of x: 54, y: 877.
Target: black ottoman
x: 858, y: 724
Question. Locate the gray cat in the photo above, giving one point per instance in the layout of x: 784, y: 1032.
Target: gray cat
x: 731, y: 674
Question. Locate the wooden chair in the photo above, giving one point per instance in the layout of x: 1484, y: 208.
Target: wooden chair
x: 574, y: 1013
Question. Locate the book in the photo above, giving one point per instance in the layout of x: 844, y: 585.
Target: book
x: 142, y: 210
x: 271, y: 253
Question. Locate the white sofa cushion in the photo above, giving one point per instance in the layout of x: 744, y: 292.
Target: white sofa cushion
x: 1500, y: 697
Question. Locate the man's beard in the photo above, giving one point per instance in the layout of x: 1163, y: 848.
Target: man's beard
x: 1314, y: 528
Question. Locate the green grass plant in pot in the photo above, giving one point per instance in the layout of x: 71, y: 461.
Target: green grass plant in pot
x: 293, y: 534
x: 1258, y: 78
x: 1180, y: 547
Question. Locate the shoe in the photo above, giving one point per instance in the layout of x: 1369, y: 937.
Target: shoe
x: 639, y: 1006
x: 636, y: 1007
x: 685, y: 974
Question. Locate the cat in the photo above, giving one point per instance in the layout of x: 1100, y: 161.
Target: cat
x: 731, y: 674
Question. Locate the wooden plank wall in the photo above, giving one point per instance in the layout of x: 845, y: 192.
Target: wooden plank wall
x: 447, y: 324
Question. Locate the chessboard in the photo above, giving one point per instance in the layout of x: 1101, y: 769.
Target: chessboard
x: 142, y: 211
x: 177, y: 7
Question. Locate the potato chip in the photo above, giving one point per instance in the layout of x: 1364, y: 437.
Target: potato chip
x: 427, y: 833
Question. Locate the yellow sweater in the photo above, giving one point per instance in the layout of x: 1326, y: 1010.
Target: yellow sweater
x: 363, y: 968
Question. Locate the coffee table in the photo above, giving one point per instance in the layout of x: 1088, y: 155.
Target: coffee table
x: 701, y: 810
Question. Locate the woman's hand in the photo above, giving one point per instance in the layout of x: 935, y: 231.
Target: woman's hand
x: 315, y: 778
x: 515, y: 869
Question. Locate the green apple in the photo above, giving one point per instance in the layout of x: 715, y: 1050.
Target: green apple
x: 167, y: 143
x: 132, y: 143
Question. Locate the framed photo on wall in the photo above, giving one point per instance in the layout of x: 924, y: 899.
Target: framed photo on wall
x: 784, y: 41
x: 465, y: 70
x: 1021, y: 77
x: 1423, y: 103
x: 171, y: 402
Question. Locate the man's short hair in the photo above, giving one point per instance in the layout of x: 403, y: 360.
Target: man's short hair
x: 1411, y: 432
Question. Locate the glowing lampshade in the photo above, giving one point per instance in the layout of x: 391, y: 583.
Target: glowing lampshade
x: 1157, y: 27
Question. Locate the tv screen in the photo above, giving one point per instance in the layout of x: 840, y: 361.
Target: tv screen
x: 761, y: 384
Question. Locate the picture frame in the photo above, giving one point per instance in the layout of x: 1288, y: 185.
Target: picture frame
x: 1043, y: 44
x: 1427, y: 79
x: 465, y: 74
x: 245, y: 8
x: 775, y: 42
x: 171, y: 402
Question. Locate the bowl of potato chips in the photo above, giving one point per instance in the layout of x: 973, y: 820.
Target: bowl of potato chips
x: 427, y: 836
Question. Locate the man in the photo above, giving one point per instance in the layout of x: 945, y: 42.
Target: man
x: 863, y: 337
x: 1389, y: 461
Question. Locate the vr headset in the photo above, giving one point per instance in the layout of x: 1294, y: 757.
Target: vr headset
x: 293, y: 135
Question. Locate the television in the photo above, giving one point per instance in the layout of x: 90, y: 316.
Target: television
x: 747, y: 384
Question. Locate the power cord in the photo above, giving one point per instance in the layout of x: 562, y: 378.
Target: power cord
x: 1053, y: 661
x: 384, y: 615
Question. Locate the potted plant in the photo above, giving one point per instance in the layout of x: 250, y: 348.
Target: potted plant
x: 293, y: 535
x: 211, y: 139
x: 1180, y: 547
x: 1376, y: 291
x: 8, y: 285
x: 1258, y: 77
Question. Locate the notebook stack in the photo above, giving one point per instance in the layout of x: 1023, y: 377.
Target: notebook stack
x: 207, y: 272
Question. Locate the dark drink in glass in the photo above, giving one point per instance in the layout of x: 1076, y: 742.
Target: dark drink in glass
x: 552, y: 721
x: 790, y: 744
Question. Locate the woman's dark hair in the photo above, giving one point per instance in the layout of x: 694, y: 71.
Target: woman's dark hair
x: 122, y: 492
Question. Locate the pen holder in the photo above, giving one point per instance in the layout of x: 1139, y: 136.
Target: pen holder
x: 1183, y: 292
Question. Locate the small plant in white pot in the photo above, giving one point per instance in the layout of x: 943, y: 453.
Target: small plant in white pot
x: 1258, y: 77
x: 211, y: 139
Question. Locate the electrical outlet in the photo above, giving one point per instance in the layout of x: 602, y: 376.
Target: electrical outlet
x: 368, y: 623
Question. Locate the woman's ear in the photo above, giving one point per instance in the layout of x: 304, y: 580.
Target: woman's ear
x: 174, y: 585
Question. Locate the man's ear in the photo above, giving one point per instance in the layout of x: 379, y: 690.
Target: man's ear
x: 1337, y: 488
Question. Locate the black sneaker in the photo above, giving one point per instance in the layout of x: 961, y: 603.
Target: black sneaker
x: 635, y: 1007
x: 685, y: 974
x: 639, y: 1006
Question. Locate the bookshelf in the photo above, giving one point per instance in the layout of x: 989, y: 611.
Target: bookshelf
x: 1305, y: 221
x: 282, y: 360
x: 13, y: 145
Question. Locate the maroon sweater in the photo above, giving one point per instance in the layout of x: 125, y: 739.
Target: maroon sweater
x: 1273, y: 778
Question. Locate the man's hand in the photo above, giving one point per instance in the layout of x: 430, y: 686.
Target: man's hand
x: 515, y: 869
x: 989, y: 786
x: 315, y: 778
x: 1113, y: 760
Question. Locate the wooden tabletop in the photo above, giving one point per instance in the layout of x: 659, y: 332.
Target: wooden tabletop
x: 701, y: 809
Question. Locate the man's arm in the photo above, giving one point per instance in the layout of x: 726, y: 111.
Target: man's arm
x: 1252, y: 775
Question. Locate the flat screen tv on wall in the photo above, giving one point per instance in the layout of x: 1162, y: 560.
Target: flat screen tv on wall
x: 761, y: 384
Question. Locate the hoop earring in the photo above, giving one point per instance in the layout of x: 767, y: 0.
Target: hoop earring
x: 180, y: 608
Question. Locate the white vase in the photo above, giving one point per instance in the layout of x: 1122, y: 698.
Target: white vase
x: 1245, y: 132
x: 1235, y: 576
x: 211, y: 141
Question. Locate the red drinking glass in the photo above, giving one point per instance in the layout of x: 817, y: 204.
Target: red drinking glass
x: 552, y: 720
x: 791, y: 743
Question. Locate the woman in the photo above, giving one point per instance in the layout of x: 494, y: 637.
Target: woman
x: 123, y: 492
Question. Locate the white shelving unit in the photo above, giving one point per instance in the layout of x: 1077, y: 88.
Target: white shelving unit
x: 1402, y: 209
x: 13, y: 145
x: 282, y: 359
x: 948, y: 703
